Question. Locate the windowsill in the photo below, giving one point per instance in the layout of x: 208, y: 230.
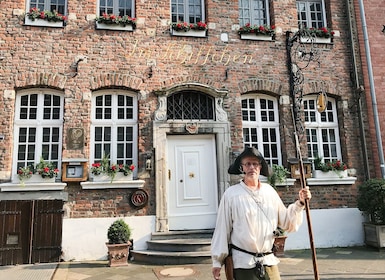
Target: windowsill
x: 17, y: 187
x: 316, y: 40
x: 190, y: 33
x: 256, y: 37
x: 103, y: 26
x: 331, y: 181
x: 43, y: 23
x: 134, y: 184
x: 289, y: 181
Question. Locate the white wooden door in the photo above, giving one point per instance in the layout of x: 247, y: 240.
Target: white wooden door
x: 192, y: 182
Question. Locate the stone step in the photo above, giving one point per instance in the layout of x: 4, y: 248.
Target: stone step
x: 171, y: 258
x: 180, y: 245
x: 180, y: 234
x: 176, y: 247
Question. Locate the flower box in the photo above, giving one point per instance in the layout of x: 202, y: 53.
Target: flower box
x: 189, y: 33
x: 317, y: 40
x: 330, y: 174
x: 256, y: 37
x: 104, y: 26
x: 118, y: 177
x: 43, y: 22
x: 36, y: 178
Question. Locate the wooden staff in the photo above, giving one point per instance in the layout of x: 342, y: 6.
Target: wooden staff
x: 307, y: 208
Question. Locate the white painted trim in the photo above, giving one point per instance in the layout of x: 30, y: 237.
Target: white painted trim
x: 85, y: 238
x: 9, y: 187
x: 256, y: 37
x: 338, y: 227
x: 190, y: 33
x: 104, y: 26
x: 135, y: 184
x: 42, y: 22
x: 331, y: 181
x: 316, y: 40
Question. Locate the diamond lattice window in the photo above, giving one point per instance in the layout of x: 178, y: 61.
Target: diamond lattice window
x: 190, y: 105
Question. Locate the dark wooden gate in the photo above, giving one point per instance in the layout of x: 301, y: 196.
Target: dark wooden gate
x: 30, y: 231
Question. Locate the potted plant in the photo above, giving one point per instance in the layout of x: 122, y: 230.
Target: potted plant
x: 317, y: 35
x: 189, y: 29
x: 329, y: 169
x: 371, y: 200
x: 42, y: 172
x: 45, y: 18
x: 106, y: 171
x: 278, y: 175
x: 279, y: 242
x: 257, y: 32
x: 111, y: 21
x: 118, y: 244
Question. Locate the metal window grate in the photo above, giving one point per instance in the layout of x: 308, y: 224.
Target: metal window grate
x: 190, y: 105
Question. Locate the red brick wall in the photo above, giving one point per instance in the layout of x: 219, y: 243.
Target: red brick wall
x: 374, y: 9
x: 41, y: 57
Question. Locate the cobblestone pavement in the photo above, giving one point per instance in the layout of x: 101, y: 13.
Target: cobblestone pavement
x: 332, y: 263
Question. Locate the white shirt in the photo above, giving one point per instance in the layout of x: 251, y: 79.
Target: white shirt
x: 247, y: 219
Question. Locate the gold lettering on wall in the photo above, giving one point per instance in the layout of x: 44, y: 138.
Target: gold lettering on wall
x: 188, y: 55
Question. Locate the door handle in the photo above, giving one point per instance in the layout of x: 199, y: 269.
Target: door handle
x: 169, y: 174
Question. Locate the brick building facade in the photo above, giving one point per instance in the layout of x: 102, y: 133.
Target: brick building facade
x: 156, y: 69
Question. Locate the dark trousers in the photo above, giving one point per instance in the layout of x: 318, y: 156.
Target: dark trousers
x: 272, y: 273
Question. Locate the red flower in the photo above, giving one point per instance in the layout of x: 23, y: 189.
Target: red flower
x: 132, y: 167
x: 42, y: 15
x: 96, y: 164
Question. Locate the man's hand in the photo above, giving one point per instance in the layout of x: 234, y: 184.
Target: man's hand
x: 304, y: 194
x: 217, y: 273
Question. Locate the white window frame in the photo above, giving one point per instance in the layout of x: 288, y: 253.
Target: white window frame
x: 319, y: 122
x: 114, y: 123
x: 252, y: 17
x: 115, y: 8
x: 259, y: 124
x: 186, y: 13
x: 39, y: 123
x: 309, y: 22
x: 47, y: 5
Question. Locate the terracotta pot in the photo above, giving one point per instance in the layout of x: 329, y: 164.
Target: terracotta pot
x: 118, y: 254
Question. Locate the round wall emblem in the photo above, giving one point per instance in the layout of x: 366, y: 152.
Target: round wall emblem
x: 139, y: 198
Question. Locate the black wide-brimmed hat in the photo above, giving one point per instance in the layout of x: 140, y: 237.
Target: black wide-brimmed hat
x: 235, y: 168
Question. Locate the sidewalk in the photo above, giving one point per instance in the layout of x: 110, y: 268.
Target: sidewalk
x: 332, y: 263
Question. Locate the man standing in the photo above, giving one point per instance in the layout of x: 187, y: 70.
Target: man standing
x: 248, y: 216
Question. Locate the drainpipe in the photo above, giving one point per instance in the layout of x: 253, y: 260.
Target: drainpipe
x: 359, y: 90
x: 372, y: 90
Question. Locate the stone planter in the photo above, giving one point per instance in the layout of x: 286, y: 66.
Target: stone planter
x: 374, y: 235
x: 330, y: 174
x: 190, y: 33
x: 42, y: 22
x: 256, y: 37
x: 118, y: 254
x: 104, y: 26
x: 118, y: 177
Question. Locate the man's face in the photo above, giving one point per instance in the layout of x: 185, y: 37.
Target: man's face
x: 251, y: 165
